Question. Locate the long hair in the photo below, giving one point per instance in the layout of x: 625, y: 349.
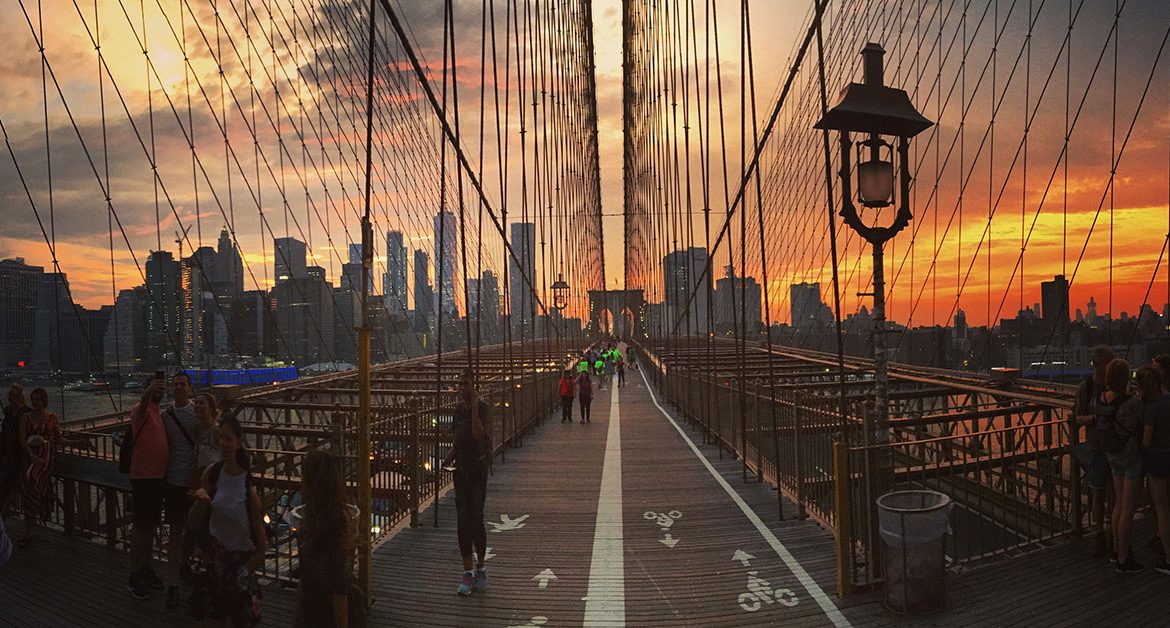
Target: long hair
x: 326, y: 522
x: 1117, y: 376
x: 232, y: 424
x: 212, y: 405
x: 1149, y: 383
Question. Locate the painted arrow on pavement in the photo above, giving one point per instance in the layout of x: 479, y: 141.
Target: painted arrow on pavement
x: 669, y: 541
x: 543, y: 578
x: 743, y: 557
x: 508, y: 523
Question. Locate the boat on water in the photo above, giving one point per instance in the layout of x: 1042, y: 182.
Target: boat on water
x: 86, y: 386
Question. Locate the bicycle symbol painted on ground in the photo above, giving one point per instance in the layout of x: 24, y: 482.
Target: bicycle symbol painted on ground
x: 663, y: 519
x: 761, y: 593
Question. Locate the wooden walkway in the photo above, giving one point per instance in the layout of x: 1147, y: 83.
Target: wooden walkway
x: 696, y: 546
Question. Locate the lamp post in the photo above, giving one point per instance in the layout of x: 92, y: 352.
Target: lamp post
x: 560, y: 290
x: 876, y: 112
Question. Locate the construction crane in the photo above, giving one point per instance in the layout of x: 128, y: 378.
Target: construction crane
x: 179, y: 239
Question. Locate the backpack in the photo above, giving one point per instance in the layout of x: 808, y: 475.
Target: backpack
x: 1110, y: 433
x: 126, y: 451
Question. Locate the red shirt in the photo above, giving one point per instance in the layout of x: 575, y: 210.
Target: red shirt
x: 566, y: 387
x: 149, y: 461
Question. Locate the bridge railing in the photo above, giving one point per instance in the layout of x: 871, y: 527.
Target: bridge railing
x: 93, y: 499
x: 1000, y: 454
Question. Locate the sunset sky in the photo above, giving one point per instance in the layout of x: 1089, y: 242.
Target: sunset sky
x: 920, y: 281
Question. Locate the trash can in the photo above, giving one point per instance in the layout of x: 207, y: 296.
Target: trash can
x: 913, y: 526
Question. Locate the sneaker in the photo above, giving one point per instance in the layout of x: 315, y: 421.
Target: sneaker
x: 481, y: 579
x: 1162, y: 567
x: 136, y: 588
x: 1113, y: 557
x: 172, y: 598
x: 1129, y: 566
x: 149, y: 578
x: 467, y: 584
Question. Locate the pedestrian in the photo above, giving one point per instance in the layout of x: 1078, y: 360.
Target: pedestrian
x: 327, y: 538
x: 1156, y: 453
x: 236, y: 531
x: 630, y: 358
x: 1119, y: 421
x: 39, y: 436
x: 206, y: 454
x: 1088, y: 452
x: 585, y: 394
x: 471, y: 452
x: 148, y: 470
x: 5, y: 544
x: 598, y: 365
x: 182, y: 478
x: 12, y: 461
x: 621, y: 372
x: 566, y: 390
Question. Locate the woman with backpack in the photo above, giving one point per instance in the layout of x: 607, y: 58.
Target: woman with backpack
x: 327, y: 536
x: 236, y: 530
x: 1118, y: 423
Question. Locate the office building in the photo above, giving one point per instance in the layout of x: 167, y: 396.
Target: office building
x: 446, y: 264
x: 290, y: 259
x: 164, y: 313
x: 18, y: 311
x: 394, y: 284
x: 521, y: 305
x: 683, y: 274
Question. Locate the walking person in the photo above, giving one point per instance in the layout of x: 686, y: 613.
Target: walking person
x: 148, y: 470
x: 621, y: 372
x: 1118, y: 426
x: 11, y: 452
x: 1089, y: 453
x: 182, y: 477
x: 566, y: 390
x: 471, y: 453
x: 327, y: 536
x: 585, y: 394
x: 236, y: 530
x: 1156, y: 452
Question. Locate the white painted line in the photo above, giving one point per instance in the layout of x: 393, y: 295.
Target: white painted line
x: 605, y: 603
x: 807, y: 581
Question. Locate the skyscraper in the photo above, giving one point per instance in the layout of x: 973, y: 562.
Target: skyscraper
x: 290, y: 259
x: 681, y: 271
x: 164, y: 310
x: 18, y: 310
x: 394, y: 283
x: 521, y: 303
x: 423, y: 293
x: 446, y: 249
x: 1054, y: 304
x: 199, y: 305
x: 728, y: 306
x: 808, y: 311
x: 124, y: 345
x: 355, y: 253
x: 228, y: 278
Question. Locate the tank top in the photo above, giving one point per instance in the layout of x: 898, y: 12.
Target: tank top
x: 229, y: 522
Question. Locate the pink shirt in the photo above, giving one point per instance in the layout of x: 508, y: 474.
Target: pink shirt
x: 149, y: 461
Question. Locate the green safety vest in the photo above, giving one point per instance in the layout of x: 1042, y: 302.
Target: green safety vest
x: 582, y: 366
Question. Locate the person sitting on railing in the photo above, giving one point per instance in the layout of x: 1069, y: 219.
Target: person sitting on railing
x: 236, y: 528
x: 327, y: 538
x: 1118, y: 425
x: 11, y: 451
x: 471, y: 453
x: 1089, y: 453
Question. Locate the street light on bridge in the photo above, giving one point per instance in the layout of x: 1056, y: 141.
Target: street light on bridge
x: 560, y: 290
x: 875, y: 110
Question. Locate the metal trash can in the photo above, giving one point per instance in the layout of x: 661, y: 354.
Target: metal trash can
x: 913, y: 526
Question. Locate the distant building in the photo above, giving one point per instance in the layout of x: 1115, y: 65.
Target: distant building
x: 253, y: 324
x: 60, y: 342
x: 446, y: 264
x: 1091, y: 313
x: 683, y: 274
x: 521, y: 302
x: 305, y: 317
x: 394, y: 286
x: 18, y: 311
x: 423, y: 292
x: 200, y: 310
x: 290, y: 259
x: 124, y: 343
x: 228, y: 276
x: 737, y: 298
x: 164, y: 311
x: 960, y: 324
x: 809, y: 313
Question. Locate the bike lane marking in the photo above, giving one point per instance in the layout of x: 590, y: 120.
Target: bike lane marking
x: 810, y: 585
x: 605, y: 603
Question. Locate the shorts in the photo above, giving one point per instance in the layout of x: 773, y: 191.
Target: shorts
x: 1094, y: 463
x: 1130, y: 471
x: 1156, y: 464
x: 152, y: 497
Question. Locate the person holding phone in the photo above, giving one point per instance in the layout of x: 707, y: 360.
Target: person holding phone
x: 472, y: 453
x: 148, y: 469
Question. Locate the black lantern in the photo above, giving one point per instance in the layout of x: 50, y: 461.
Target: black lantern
x: 560, y: 291
x: 874, y: 110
